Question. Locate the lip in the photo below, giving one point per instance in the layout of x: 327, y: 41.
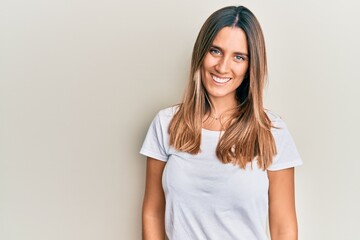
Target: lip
x: 220, y: 80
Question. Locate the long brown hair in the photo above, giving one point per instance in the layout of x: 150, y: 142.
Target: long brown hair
x: 249, y: 134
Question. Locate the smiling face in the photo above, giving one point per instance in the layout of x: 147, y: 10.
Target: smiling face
x: 225, y: 65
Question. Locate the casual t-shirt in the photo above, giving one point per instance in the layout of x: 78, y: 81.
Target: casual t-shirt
x: 207, y: 199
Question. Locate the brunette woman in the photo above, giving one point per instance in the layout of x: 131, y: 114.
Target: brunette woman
x: 220, y: 166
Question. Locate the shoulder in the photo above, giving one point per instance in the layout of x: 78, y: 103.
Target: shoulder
x: 276, y: 120
x: 278, y: 126
x: 168, y: 113
x: 286, y: 152
x: 164, y: 116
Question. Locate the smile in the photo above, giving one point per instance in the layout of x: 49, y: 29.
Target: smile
x: 220, y: 80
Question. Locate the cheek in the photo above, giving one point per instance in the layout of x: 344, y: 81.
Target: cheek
x: 209, y: 61
x: 241, y: 70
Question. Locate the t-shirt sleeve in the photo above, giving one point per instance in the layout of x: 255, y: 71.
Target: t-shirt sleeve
x: 287, y: 154
x: 156, y: 141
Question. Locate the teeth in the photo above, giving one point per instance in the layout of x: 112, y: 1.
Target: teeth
x: 220, y: 80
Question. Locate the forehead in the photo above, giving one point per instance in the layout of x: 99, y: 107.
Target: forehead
x: 231, y: 39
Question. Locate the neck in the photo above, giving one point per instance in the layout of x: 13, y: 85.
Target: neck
x: 221, y: 105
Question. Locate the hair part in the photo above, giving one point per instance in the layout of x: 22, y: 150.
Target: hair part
x: 248, y: 136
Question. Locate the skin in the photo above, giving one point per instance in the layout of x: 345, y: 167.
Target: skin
x: 282, y: 213
x: 153, y: 212
x: 223, y: 70
x: 227, y: 59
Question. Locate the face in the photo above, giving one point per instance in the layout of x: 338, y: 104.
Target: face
x: 225, y: 65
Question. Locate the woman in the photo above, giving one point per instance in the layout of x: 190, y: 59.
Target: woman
x: 219, y: 165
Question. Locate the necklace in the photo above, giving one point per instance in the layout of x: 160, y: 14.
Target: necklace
x: 215, y: 117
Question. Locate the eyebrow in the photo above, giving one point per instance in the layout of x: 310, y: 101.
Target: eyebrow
x: 237, y: 53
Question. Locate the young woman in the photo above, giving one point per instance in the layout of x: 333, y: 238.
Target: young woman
x: 219, y: 165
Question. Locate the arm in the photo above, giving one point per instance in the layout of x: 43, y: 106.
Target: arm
x: 282, y: 214
x: 153, y: 212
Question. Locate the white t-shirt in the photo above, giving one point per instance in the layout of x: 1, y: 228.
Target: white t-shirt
x: 207, y: 199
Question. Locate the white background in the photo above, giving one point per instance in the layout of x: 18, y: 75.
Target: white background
x: 80, y: 82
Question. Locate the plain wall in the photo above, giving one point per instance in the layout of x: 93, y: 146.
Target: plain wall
x: 80, y: 82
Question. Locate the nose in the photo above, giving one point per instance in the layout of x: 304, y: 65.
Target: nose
x: 223, y: 65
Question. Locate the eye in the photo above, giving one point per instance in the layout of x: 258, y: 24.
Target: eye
x: 215, y: 51
x: 239, y: 58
